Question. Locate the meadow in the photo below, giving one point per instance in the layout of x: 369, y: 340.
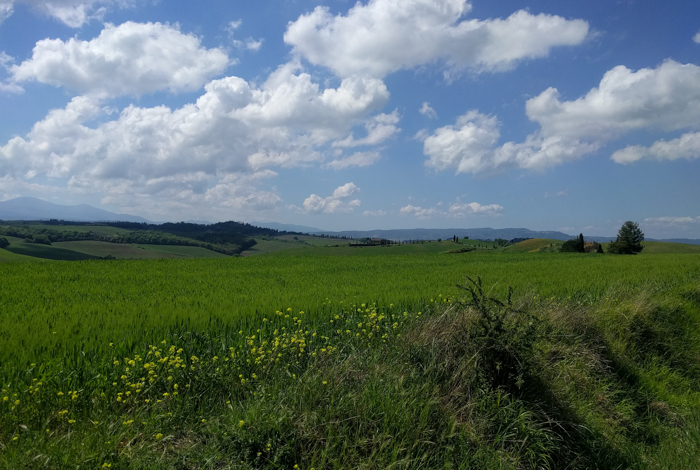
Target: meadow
x: 374, y: 360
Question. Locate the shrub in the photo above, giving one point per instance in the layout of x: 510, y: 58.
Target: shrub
x: 3, y: 242
x: 502, y: 335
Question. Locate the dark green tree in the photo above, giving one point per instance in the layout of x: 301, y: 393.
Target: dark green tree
x: 581, y: 243
x: 570, y: 246
x: 629, y: 240
x: 3, y: 242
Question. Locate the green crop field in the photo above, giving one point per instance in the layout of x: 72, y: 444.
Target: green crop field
x: 533, y: 245
x: 176, y: 251
x: 50, y: 252
x: 99, y: 302
x: 668, y: 248
x: 101, y: 249
x: 374, y: 360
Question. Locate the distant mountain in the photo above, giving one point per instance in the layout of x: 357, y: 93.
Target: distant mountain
x: 288, y: 227
x: 29, y: 208
x: 687, y: 241
x: 480, y: 234
x: 445, y: 233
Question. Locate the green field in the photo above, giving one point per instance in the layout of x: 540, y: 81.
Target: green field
x: 533, y: 245
x: 668, y: 248
x: 100, y: 302
x: 297, y: 359
x: 50, y: 252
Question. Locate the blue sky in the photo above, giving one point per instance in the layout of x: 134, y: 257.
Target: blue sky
x: 550, y: 115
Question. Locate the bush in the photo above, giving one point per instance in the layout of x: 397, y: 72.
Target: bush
x: 3, y: 242
x: 502, y: 336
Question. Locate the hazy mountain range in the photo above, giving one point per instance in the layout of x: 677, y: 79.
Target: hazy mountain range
x: 29, y: 208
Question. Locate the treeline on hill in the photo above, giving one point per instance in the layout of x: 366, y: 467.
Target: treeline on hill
x: 225, y: 237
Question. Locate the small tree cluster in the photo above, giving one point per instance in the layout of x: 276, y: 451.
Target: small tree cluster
x: 577, y: 245
x: 4, y: 243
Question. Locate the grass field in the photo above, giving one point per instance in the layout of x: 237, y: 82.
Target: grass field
x: 49, y: 252
x: 100, y: 249
x: 364, y: 361
x: 175, y: 251
x: 533, y: 245
x: 8, y: 256
x: 668, y: 248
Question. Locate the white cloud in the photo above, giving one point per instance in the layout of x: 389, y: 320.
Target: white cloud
x: 686, y: 147
x: 665, y: 221
x: 233, y: 25
x: 562, y: 193
x: 467, y: 146
x: 249, y: 44
x: 160, y: 154
x: 73, y: 13
x: 428, y: 111
x: 6, y: 10
x: 377, y: 213
x: 384, y: 36
x: 334, y: 204
x: 696, y: 38
x: 129, y: 59
x: 458, y: 210
x: 666, y: 98
x: 253, y: 45
x: 358, y: 159
x: 379, y: 128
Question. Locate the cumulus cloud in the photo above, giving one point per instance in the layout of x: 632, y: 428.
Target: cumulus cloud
x: 336, y: 202
x: 249, y: 44
x: 467, y: 146
x: 379, y: 128
x: 6, y: 9
x: 73, y: 13
x: 427, y: 110
x: 696, y: 38
x: 129, y: 59
x: 686, y: 147
x: 458, y: 210
x: 666, y: 98
x: 377, y: 213
x: 235, y: 128
x: 384, y: 36
x: 358, y: 159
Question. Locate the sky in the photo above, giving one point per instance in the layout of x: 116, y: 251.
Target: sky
x: 543, y: 114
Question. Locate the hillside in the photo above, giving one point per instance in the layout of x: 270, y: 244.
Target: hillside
x: 534, y: 245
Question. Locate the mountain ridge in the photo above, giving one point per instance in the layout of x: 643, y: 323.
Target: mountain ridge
x: 30, y: 208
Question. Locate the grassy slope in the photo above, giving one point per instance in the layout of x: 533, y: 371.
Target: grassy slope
x: 10, y: 256
x: 427, y: 247
x: 33, y: 250
x: 175, y: 251
x: 117, y: 250
x: 655, y: 248
x: 123, y: 251
x: 532, y: 246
